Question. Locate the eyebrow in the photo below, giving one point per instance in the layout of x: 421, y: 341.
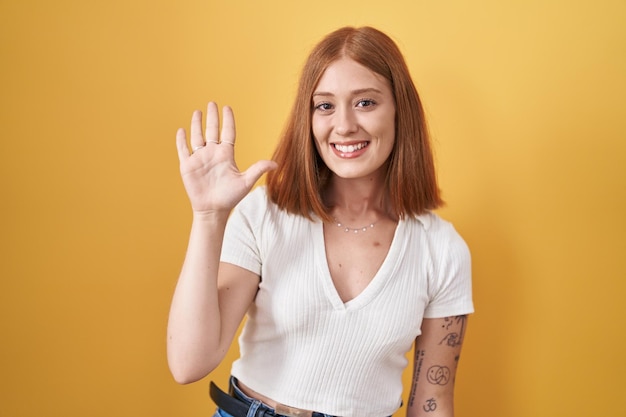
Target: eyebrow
x: 359, y: 91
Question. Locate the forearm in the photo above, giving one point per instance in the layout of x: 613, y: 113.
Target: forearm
x: 434, y: 404
x: 437, y: 353
x: 194, y: 327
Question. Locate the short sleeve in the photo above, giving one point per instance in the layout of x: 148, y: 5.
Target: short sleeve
x: 241, y: 237
x: 450, y: 286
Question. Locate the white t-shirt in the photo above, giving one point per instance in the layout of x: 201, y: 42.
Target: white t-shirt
x: 302, y: 345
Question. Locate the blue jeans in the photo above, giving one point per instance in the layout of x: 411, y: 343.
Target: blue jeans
x: 255, y: 405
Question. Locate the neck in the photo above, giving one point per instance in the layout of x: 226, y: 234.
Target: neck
x: 357, y: 200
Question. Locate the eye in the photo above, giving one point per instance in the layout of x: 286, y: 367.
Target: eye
x: 324, y: 106
x: 365, y: 103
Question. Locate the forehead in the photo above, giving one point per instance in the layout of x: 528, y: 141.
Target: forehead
x: 346, y: 75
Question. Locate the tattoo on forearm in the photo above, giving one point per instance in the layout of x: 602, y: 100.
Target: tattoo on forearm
x: 438, y: 375
x: 417, y: 369
x: 431, y: 405
x: 454, y: 338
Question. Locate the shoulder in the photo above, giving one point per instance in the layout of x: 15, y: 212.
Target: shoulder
x: 442, y: 238
x: 435, y: 227
x: 255, y: 204
x: 255, y: 198
x: 258, y: 211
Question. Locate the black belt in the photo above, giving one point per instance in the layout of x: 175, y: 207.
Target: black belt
x: 238, y: 408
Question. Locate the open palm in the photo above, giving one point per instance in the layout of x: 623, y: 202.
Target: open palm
x: 211, y: 178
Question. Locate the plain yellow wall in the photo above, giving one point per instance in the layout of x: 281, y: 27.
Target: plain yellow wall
x: 526, y: 101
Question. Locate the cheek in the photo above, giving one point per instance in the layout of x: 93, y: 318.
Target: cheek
x: 315, y: 132
x: 391, y: 125
x: 383, y: 124
x: 319, y: 129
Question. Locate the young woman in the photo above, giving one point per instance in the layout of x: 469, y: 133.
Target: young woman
x: 338, y: 262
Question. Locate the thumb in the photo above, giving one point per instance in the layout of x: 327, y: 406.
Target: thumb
x: 254, y: 172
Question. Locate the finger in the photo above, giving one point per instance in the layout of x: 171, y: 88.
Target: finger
x: 196, y: 129
x: 212, y: 123
x: 257, y: 169
x: 228, y: 126
x: 181, y: 145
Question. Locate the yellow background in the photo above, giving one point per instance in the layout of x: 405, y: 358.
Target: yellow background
x: 526, y: 101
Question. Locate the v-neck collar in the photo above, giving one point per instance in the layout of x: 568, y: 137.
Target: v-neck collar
x: 380, y: 279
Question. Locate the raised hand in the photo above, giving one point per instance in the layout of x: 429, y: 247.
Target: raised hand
x: 211, y: 178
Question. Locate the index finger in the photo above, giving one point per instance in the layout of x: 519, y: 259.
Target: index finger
x: 228, y: 126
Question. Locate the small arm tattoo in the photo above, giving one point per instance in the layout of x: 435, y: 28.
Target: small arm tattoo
x: 431, y: 405
x: 456, y: 336
x: 438, y: 375
x: 418, y: 362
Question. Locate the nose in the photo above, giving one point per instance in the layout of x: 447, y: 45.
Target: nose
x: 345, y: 121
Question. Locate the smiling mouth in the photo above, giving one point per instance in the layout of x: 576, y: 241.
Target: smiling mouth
x: 350, y: 148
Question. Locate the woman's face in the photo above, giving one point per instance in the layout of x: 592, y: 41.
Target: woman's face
x: 353, y: 119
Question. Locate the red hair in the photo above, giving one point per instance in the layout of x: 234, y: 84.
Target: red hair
x: 296, y: 184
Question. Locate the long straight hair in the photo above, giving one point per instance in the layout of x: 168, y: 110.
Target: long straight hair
x: 296, y: 185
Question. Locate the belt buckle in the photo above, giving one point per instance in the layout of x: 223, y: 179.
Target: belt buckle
x: 287, y: 411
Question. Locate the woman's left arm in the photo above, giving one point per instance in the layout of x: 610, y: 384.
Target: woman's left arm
x: 437, y: 352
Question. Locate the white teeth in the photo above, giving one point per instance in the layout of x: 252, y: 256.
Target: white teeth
x: 350, y: 148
